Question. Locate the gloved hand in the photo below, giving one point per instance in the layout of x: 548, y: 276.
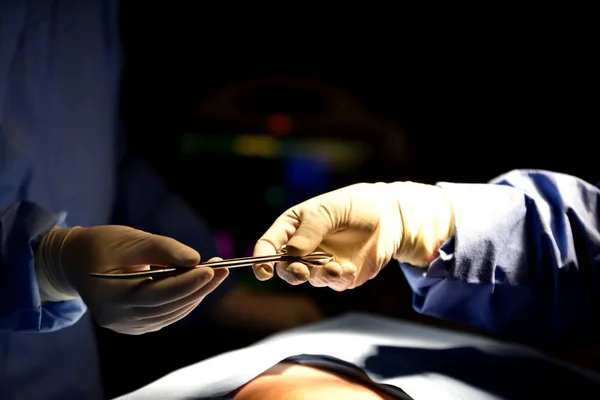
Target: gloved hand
x: 364, y: 226
x: 66, y: 256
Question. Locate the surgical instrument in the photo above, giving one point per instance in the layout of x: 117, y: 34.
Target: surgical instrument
x: 317, y: 258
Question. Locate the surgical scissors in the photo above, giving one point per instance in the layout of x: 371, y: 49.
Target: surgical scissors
x: 316, y: 258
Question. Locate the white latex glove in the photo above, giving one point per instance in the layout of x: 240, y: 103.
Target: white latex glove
x: 364, y: 226
x: 66, y: 256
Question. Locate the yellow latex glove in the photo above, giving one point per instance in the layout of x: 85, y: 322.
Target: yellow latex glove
x: 364, y: 226
x: 66, y: 256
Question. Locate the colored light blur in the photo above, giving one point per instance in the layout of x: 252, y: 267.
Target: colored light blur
x: 339, y: 154
x: 279, y: 124
x: 225, y: 244
x: 256, y: 145
x: 306, y: 173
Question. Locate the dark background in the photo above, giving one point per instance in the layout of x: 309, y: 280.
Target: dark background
x: 421, y: 107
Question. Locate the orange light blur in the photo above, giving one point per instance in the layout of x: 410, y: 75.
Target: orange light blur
x: 279, y: 124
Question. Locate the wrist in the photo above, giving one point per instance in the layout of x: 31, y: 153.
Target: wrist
x: 427, y: 221
x: 52, y: 280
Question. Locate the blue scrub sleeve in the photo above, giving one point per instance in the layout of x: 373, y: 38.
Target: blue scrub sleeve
x: 145, y: 202
x: 22, y: 226
x: 524, y: 262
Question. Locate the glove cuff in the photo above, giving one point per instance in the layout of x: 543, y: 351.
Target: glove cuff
x: 52, y: 281
x: 427, y: 219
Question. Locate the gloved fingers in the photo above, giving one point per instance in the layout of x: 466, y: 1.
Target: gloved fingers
x: 138, y: 327
x: 321, y: 275
x: 272, y: 240
x: 168, y: 290
x: 301, y: 230
x: 218, y: 278
x: 315, y: 225
x: 162, y: 251
x: 175, y: 318
x: 347, y: 277
x: 164, y: 320
x: 164, y: 291
x: 293, y: 273
x: 264, y: 247
x: 333, y: 275
x: 149, y: 312
x: 142, y: 327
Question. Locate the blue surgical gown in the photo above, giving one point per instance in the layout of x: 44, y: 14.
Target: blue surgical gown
x: 60, y: 163
x: 524, y: 262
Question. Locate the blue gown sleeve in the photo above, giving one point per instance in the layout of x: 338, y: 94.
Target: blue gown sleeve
x: 524, y: 262
x: 22, y: 226
x: 145, y: 202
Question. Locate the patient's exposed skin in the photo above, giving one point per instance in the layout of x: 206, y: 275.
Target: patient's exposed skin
x: 289, y: 381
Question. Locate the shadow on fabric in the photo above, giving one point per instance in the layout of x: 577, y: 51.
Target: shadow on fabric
x: 506, y: 376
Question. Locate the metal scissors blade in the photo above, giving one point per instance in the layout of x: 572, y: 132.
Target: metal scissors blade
x: 313, y: 259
